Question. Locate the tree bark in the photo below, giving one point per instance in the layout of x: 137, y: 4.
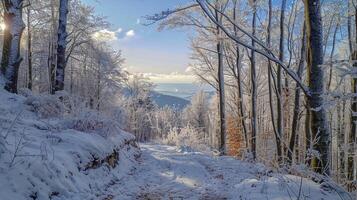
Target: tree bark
x: 29, y: 50
x: 270, y: 76
x: 13, y: 8
x: 239, y: 80
x: 254, y: 86
x: 7, y: 37
x: 294, y: 129
x: 320, y: 131
x: 331, y: 56
x: 351, y: 171
x: 280, y: 112
x: 221, y: 86
x: 61, y: 45
x: 52, y: 51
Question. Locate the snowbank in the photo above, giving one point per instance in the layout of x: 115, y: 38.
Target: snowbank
x: 51, y: 153
x: 166, y: 173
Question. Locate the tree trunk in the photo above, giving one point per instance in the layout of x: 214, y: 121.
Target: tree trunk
x: 98, y: 84
x: 280, y: 117
x: 52, y: 51
x: 221, y: 87
x: 320, y: 131
x: 270, y: 75
x: 254, y: 87
x: 16, y: 27
x: 29, y: 50
x: 7, y: 38
x: 71, y: 81
x: 331, y: 56
x: 351, y: 171
x: 61, y: 45
x: 294, y: 129
x: 239, y: 80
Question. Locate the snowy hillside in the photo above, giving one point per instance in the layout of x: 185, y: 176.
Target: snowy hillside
x: 166, y: 173
x: 53, y: 154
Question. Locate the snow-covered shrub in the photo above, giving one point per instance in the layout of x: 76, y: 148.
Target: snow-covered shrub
x: 50, y: 106
x: 46, y: 106
x: 24, y: 92
x: 186, y: 139
x: 92, y: 121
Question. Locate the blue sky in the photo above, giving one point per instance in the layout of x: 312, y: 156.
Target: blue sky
x: 145, y: 49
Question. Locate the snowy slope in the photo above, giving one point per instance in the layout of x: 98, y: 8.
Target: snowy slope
x: 48, y: 157
x: 53, y: 154
x: 165, y: 173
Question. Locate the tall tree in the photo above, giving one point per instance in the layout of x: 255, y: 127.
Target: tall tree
x: 254, y: 85
x: 29, y: 49
x: 351, y: 168
x: 315, y: 60
x: 270, y: 83
x: 221, y: 82
x: 294, y: 127
x: 280, y: 117
x: 239, y: 76
x: 52, y: 49
x: 61, y: 45
x: 6, y: 37
x: 11, y: 49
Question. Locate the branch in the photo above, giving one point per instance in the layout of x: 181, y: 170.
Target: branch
x: 164, y: 14
x: 268, y: 54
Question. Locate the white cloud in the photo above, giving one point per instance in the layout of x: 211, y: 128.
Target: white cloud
x: 105, y: 35
x: 174, y: 77
x: 130, y: 33
x: 119, y: 30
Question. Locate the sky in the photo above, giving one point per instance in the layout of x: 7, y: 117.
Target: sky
x: 162, y: 56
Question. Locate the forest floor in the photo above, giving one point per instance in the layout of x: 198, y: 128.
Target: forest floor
x: 51, y: 154
x: 166, y: 173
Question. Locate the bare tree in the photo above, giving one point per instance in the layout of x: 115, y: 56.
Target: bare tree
x: 254, y: 85
x: 61, y: 45
x: 239, y: 77
x: 280, y: 112
x: 351, y: 168
x: 294, y: 127
x: 11, y: 49
x: 220, y: 76
x: 29, y: 48
x: 319, y: 128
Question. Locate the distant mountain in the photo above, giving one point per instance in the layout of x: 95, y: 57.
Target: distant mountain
x: 167, y: 100
x: 182, y: 90
x: 163, y: 100
x: 176, y: 95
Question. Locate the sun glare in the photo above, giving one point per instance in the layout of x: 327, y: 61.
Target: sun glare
x: 2, y: 26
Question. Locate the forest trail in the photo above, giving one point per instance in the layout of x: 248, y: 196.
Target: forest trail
x: 166, y: 173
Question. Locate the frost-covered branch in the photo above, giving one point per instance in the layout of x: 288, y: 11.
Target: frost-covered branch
x: 266, y: 52
x: 164, y: 14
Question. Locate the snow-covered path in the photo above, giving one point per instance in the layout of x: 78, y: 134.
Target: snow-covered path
x: 164, y: 173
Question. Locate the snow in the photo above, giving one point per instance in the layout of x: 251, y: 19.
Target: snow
x: 51, y: 158
x: 166, y: 173
x: 67, y: 157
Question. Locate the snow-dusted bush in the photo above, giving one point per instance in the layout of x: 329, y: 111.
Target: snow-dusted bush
x: 46, y: 106
x: 24, y: 92
x: 51, y: 106
x: 78, y: 116
x: 186, y: 139
x: 92, y: 121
